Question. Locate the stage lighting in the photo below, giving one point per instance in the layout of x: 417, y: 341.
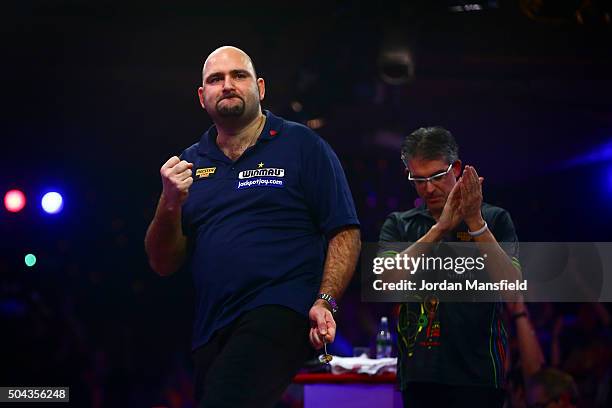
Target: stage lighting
x: 30, y: 260
x: 601, y: 153
x: 593, y: 12
x: 317, y: 123
x: 14, y: 201
x: 52, y: 202
x: 463, y: 6
x: 296, y: 106
x: 396, y: 65
x: 395, y: 60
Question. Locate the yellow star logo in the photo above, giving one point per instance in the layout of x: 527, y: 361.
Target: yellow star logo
x: 260, y: 165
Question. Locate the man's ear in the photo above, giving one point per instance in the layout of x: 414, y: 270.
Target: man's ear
x: 201, y: 97
x: 261, y: 86
x: 457, y: 168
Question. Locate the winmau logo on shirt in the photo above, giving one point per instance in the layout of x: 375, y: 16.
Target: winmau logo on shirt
x: 271, y: 172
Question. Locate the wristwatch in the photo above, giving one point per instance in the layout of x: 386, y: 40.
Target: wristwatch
x: 329, y: 299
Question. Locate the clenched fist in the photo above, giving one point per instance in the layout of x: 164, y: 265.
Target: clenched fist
x: 176, y: 180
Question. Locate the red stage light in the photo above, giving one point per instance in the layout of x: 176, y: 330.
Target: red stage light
x: 14, y: 201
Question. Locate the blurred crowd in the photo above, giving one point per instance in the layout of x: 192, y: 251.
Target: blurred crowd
x: 560, y: 355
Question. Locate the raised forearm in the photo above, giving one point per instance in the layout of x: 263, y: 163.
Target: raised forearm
x: 342, y: 253
x: 421, y: 247
x: 165, y: 243
x: 499, y: 265
x: 530, y: 352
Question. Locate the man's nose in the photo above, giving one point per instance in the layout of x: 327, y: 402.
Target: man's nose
x: 228, y: 83
x: 429, y: 187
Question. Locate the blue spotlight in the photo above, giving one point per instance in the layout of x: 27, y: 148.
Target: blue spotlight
x: 52, y: 202
x: 601, y: 153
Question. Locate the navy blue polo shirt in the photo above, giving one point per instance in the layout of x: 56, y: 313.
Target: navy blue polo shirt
x: 257, y: 227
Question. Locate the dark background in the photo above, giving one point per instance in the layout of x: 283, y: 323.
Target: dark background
x: 96, y: 97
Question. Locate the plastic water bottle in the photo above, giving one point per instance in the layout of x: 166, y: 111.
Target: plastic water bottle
x: 383, y: 339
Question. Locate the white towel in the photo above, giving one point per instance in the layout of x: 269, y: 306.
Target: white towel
x: 363, y: 365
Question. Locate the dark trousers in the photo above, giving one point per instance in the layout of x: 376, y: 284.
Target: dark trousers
x: 431, y: 395
x: 250, y: 362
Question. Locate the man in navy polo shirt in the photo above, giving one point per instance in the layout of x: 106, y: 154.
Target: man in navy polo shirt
x: 261, y: 212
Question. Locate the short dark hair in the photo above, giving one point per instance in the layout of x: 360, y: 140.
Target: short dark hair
x: 555, y: 383
x: 430, y: 143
